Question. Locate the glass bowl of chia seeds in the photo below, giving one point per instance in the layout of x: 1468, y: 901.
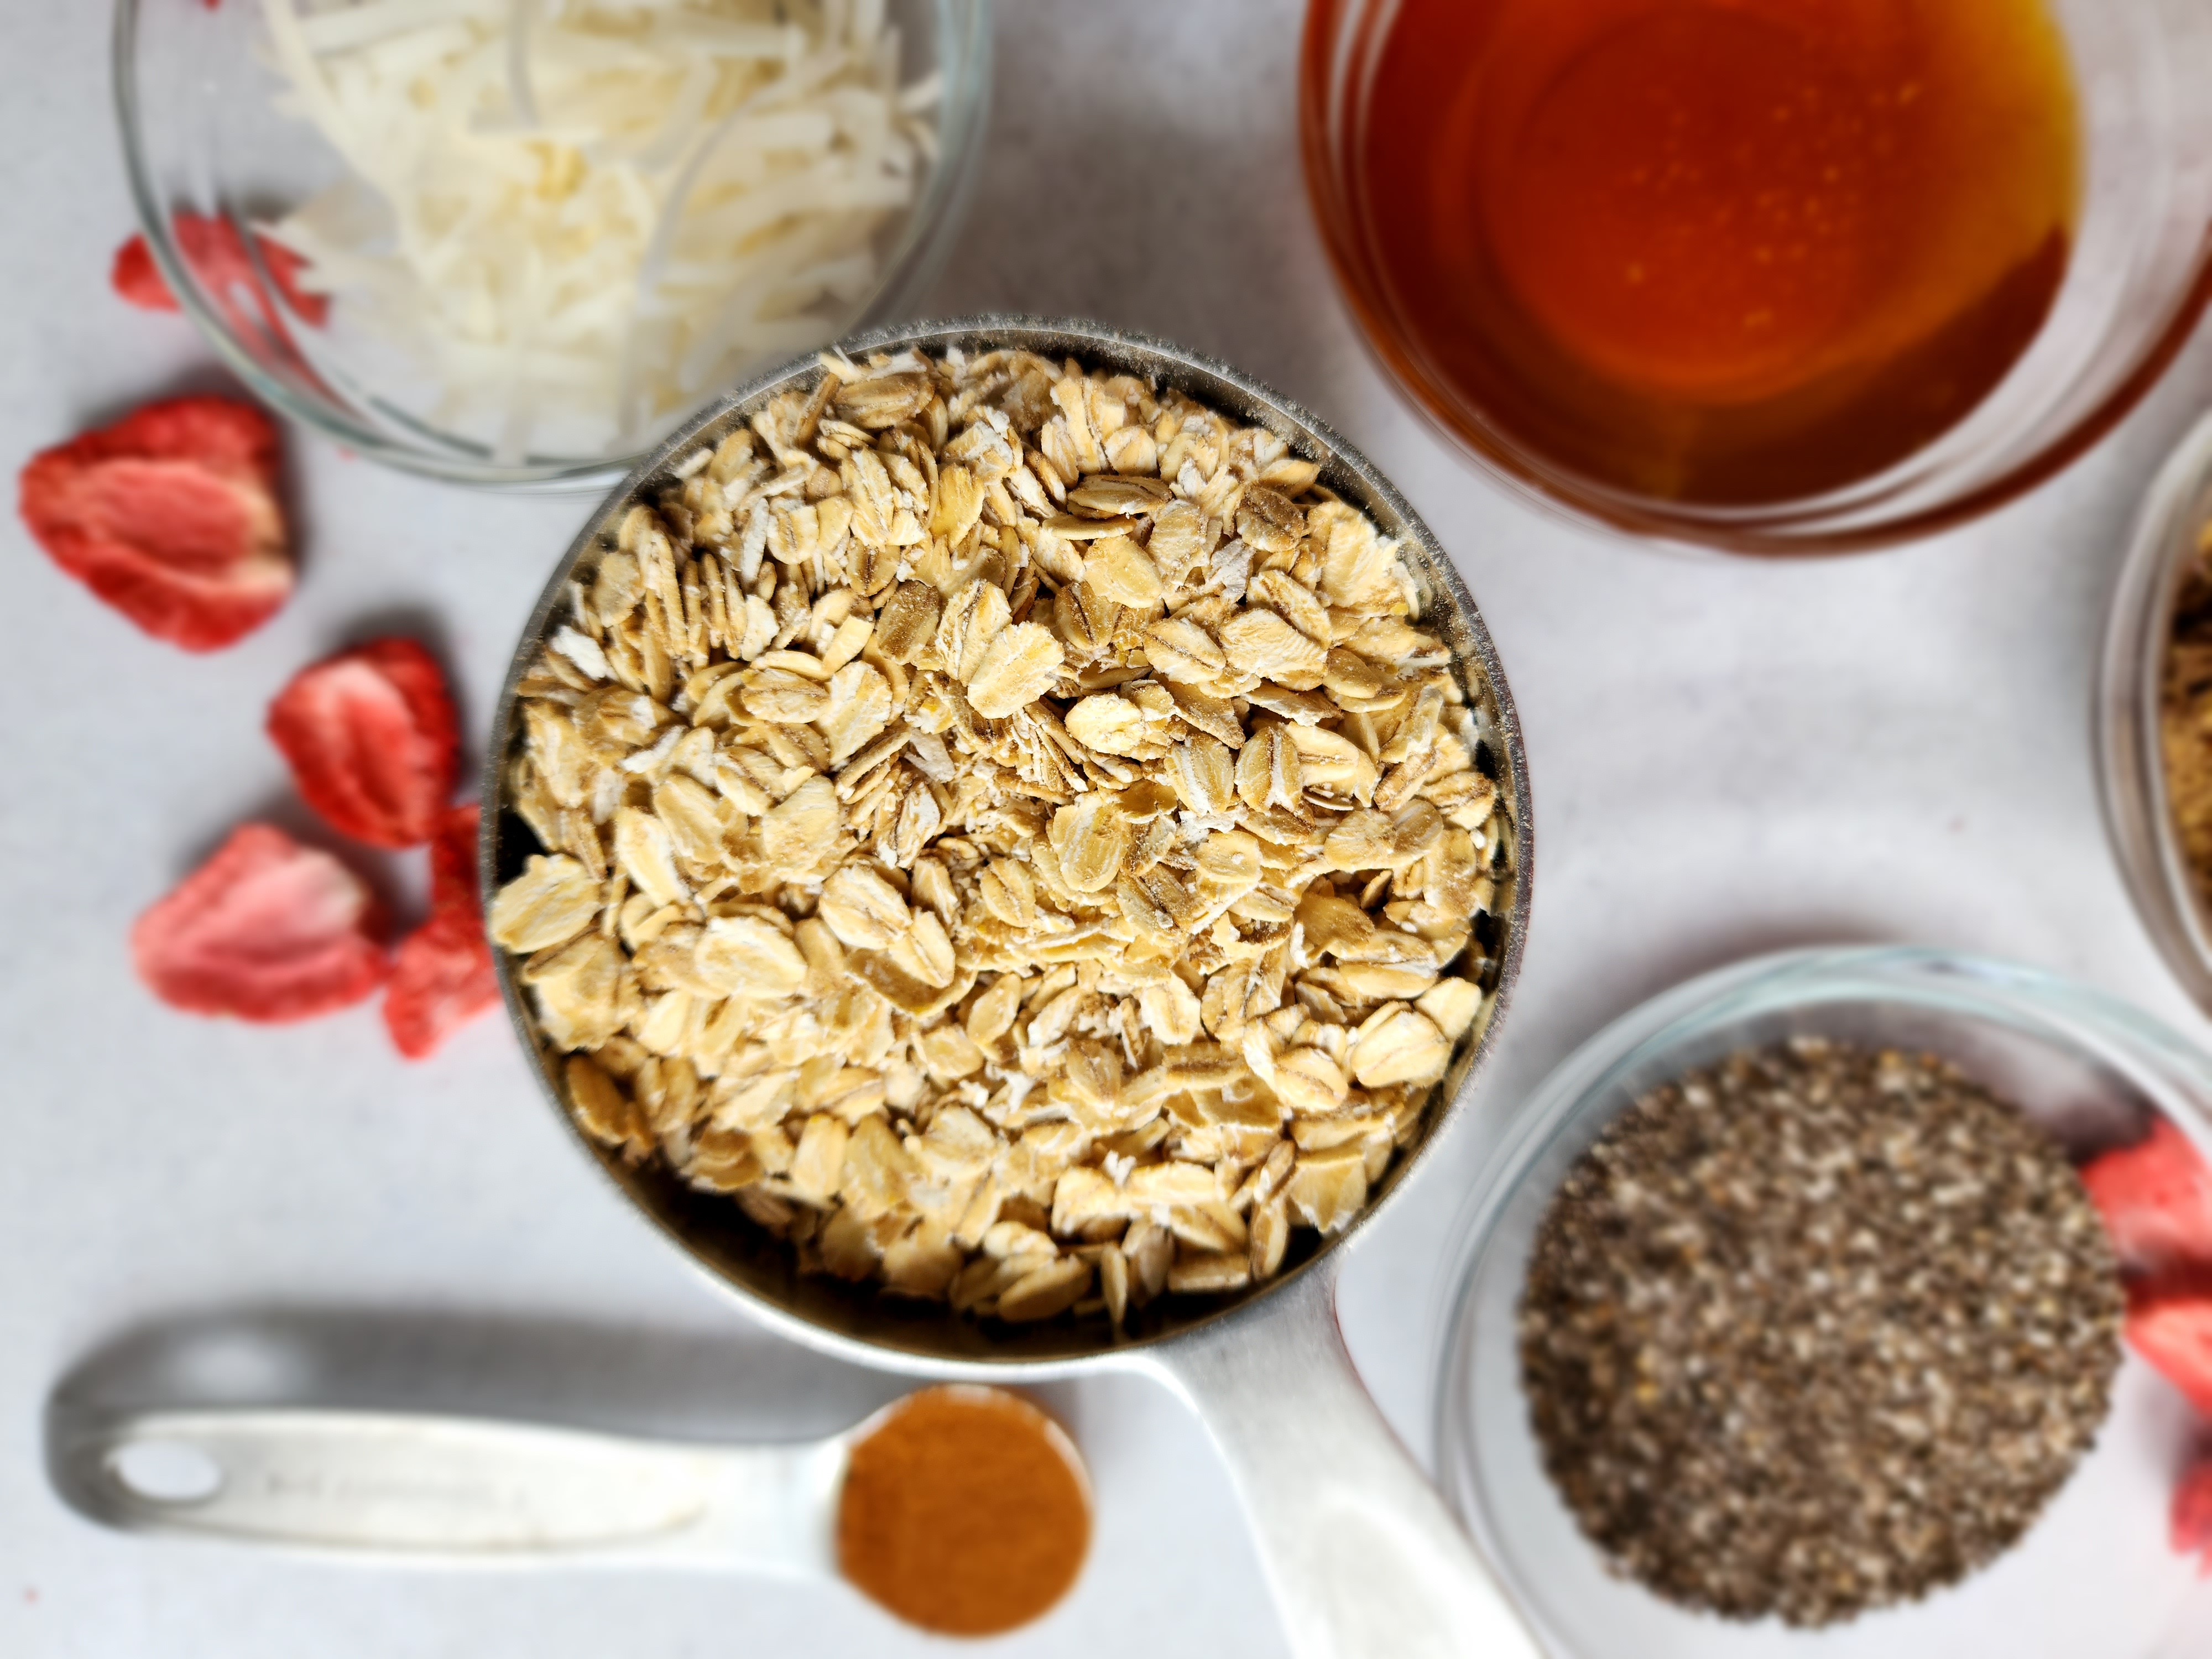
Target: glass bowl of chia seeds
x: 1784, y: 1289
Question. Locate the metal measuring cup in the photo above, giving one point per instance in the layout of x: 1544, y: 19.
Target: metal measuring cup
x: 1363, y: 1557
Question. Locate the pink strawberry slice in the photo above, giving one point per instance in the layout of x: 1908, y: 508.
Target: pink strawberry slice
x: 2192, y: 1513
x: 2170, y: 1325
x: 215, y: 248
x: 2156, y: 1199
x: 138, y: 279
x: 170, y: 516
x: 443, y: 977
x: 266, y: 930
x: 441, y: 980
x: 453, y: 862
x: 372, y: 740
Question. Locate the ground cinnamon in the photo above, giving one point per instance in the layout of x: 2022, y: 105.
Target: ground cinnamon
x: 964, y: 1511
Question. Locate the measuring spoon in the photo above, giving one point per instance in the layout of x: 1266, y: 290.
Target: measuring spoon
x: 476, y: 1491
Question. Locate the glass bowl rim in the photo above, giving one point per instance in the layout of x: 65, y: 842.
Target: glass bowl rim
x: 1926, y: 977
x: 2125, y: 724
x: 1565, y: 499
x: 965, y: 66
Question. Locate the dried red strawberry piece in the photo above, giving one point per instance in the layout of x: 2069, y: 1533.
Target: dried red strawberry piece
x: 266, y: 930
x: 442, y: 980
x: 371, y: 737
x: 215, y: 251
x: 138, y: 279
x: 2170, y: 1325
x: 2156, y: 1199
x: 444, y: 977
x: 2192, y: 1513
x: 170, y: 516
x: 453, y: 862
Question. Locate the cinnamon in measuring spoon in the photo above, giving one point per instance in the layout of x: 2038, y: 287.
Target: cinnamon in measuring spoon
x: 965, y: 1510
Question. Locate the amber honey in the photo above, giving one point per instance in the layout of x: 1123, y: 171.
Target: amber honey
x: 1718, y: 251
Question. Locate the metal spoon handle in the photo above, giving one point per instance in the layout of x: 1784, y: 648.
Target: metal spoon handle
x: 1365, y: 1560
x: 453, y: 1489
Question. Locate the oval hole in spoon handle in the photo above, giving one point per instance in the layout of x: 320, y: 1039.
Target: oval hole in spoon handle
x: 1364, y: 1557
x: 454, y: 1489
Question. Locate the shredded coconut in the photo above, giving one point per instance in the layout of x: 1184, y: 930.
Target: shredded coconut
x: 579, y: 216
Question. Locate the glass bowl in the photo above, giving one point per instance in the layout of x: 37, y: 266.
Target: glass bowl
x: 2094, y: 1575
x: 2141, y: 273
x: 201, y: 136
x: 2130, y: 767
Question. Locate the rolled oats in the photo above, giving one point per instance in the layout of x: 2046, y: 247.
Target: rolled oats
x: 1012, y: 831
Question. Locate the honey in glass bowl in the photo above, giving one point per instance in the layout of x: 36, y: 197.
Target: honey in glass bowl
x: 1723, y: 252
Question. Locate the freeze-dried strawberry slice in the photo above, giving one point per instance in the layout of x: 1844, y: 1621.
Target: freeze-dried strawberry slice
x: 266, y: 930
x: 453, y: 862
x: 170, y: 516
x: 2192, y: 1514
x: 138, y: 279
x: 215, y: 251
x: 2156, y: 1199
x: 2170, y: 1324
x: 444, y: 977
x: 371, y: 737
x: 442, y: 980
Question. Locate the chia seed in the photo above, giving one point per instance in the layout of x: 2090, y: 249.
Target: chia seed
x: 1816, y: 1330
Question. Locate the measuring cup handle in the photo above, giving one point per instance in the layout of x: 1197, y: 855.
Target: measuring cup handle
x: 446, y: 1488
x: 1365, y: 1560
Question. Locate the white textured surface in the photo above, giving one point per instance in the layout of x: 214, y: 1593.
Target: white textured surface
x: 1727, y: 756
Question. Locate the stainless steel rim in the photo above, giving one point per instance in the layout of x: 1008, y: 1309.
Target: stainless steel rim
x: 1344, y: 469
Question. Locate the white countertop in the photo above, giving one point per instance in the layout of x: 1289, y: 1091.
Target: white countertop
x: 1727, y: 756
